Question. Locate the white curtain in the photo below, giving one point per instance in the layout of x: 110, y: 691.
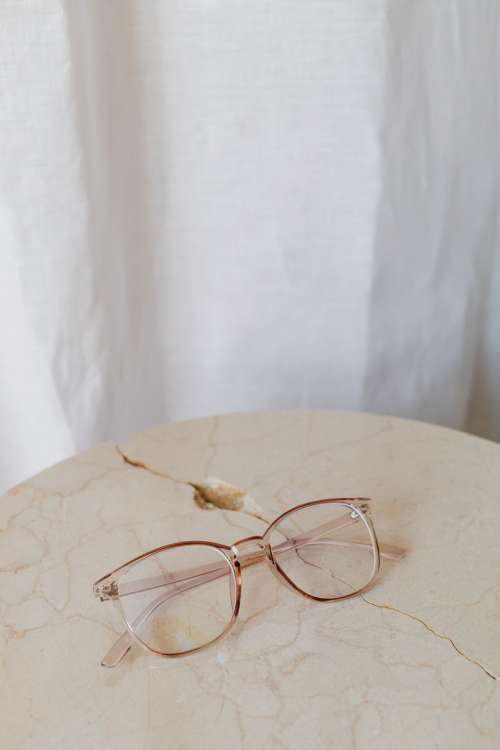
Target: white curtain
x: 219, y: 205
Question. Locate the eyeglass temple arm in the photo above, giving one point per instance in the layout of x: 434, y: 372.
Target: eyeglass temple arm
x: 389, y: 551
x: 193, y: 577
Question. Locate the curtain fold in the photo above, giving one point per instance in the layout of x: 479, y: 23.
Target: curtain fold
x: 217, y: 206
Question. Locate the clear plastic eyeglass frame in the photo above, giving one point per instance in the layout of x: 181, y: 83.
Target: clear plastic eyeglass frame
x: 347, y: 515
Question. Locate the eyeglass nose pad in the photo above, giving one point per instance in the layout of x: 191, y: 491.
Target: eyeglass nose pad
x: 256, y: 549
x: 277, y: 573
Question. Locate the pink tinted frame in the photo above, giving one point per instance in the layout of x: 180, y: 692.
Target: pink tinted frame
x: 107, y: 586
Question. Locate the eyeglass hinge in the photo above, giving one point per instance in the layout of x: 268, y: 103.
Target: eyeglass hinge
x: 106, y: 591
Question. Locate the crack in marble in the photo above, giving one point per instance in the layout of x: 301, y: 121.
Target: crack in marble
x: 208, y: 494
x: 442, y: 636
x: 141, y: 465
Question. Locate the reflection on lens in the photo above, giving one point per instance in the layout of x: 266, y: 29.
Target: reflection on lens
x: 179, y: 599
x: 326, y: 550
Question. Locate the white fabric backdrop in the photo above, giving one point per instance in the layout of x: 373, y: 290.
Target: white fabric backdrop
x: 217, y: 205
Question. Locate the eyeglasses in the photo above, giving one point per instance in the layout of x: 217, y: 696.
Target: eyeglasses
x: 182, y: 597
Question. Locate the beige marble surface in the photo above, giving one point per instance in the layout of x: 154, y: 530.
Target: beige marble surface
x: 415, y: 664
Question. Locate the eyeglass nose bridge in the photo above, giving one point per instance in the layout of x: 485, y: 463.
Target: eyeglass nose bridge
x: 248, y: 551
x: 252, y: 550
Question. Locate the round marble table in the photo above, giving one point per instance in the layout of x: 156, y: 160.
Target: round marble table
x: 413, y: 664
